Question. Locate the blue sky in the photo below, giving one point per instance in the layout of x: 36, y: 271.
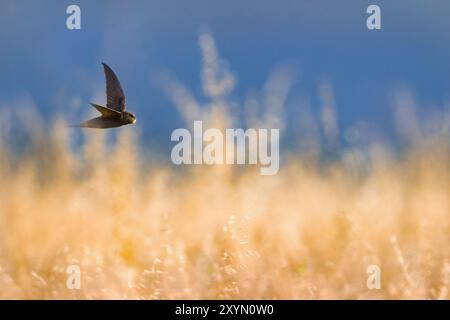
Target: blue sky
x: 43, y: 61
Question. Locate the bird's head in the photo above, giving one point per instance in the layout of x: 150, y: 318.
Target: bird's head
x: 129, y: 117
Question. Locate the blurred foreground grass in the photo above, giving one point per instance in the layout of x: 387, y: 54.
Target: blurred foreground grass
x: 152, y: 232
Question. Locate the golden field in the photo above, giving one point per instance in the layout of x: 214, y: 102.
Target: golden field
x: 152, y: 232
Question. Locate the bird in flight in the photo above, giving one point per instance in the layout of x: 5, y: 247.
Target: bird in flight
x: 114, y: 114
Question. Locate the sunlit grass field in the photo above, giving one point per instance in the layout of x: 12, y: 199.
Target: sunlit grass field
x: 152, y: 232
x: 143, y: 229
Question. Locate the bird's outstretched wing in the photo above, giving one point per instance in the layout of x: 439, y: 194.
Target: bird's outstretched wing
x: 114, y: 93
x: 106, y: 112
x: 101, y: 123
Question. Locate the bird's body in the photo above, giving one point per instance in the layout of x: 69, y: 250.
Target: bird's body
x: 103, y: 122
x: 114, y: 114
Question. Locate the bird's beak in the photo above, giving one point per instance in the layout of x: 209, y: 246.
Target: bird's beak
x: 134, y: 121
